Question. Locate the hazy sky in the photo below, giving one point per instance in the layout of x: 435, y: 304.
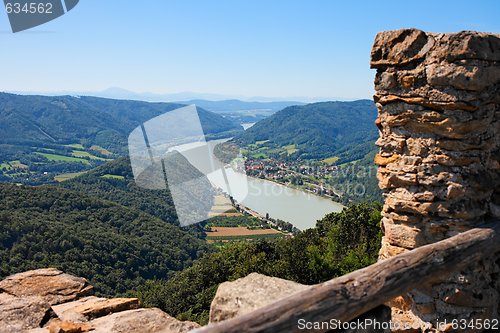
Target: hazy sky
x: 247, y: 48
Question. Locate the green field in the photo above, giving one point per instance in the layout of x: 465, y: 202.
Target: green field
x: 13, y: 165
x: 101, y: 150
x: 66, y: 176
x: 350, y: 163
x: 6, y: 166
x: 62, y: 158
x: 290, y: 149
x: 75, y: 145
x: 259, y: 150
x: 79, y: 153
x: 109, y: 176
x: 246, y: 237
x: 258, y: 155
x: 330, y: 160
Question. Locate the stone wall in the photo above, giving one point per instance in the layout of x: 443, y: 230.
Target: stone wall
x: 439, y: 109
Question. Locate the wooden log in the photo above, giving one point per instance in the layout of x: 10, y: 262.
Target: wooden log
x: 349, y: 296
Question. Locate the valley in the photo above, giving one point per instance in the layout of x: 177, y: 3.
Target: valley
x: 341, y: 173
x: 40, y: 165
x: 44, y: 139
x: 249, y: 166
x: 325, y: 149
x: 347, y: 182
x: 73, y: 193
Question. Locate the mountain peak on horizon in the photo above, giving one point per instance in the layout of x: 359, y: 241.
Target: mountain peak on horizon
x: 123, y: 93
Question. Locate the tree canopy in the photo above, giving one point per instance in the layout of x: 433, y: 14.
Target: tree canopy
x: 117, y: 248
x: 340, y: 243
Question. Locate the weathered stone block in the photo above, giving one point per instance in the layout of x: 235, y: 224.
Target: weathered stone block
x: 470, y: 77
x: 401, y: 235
x: 399, y: 47
x: 51, y: 284
x: 93, y: 307
x: 150, y: 320
x: 249, y: 293
x: 21, y: 313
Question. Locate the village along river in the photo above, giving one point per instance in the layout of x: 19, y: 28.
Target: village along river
x: 300, y: 208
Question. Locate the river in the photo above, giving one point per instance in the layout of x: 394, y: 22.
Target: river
x: 300, y: 208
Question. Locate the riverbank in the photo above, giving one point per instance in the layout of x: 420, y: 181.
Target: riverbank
x: 266, y: 198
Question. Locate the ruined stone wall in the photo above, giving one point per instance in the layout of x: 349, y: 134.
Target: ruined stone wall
x: 439, y: 109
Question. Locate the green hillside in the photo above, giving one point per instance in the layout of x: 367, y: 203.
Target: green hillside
x: 318, y: 131
x: 357, y: 181
x: 340, y: 243
x: 116, y: 247
x: 44, y: 137
x: 114, y: 181
x: 88, y: 120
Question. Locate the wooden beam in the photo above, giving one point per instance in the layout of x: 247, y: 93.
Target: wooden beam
x: 349, y: 296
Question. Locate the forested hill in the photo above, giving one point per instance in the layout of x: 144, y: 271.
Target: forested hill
x: 340, y: 243
x: 86, y: 120
x: 114, y: 181
x: 117, y: 248
x: 319, y: 130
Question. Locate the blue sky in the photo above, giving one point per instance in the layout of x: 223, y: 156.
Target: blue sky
x: 270, y: 48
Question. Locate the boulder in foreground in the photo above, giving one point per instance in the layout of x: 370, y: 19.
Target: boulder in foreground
x: 249, y: 293
x: 50, y: 301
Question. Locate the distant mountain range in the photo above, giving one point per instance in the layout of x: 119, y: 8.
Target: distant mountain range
x: 120, y: 93
x: 232, y: 105
x: 319, y: 130
x: 27, y: 119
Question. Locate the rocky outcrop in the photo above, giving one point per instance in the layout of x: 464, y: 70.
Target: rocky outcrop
x: 439, y: 161
x: 51, y: 284
x: 249, y: 293
x: 255, y: 291
x: 21, y: 313
x: 50, y: 301
x: 93, y: 307
x: 141, y: 320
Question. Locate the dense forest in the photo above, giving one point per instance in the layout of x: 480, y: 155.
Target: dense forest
x: 114, y: 181
x: 340, y: 243
x: 117, y: 248
x: 319, y: 130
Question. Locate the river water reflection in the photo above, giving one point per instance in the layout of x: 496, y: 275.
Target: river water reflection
x: 300, y: 208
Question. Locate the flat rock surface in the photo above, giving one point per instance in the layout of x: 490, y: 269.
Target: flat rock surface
x: 58, y: 326
x: 249, y: 293
x: 150, y: 320
x: 51, y: 284
x: 92, y: 307
x: 19, y: 314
